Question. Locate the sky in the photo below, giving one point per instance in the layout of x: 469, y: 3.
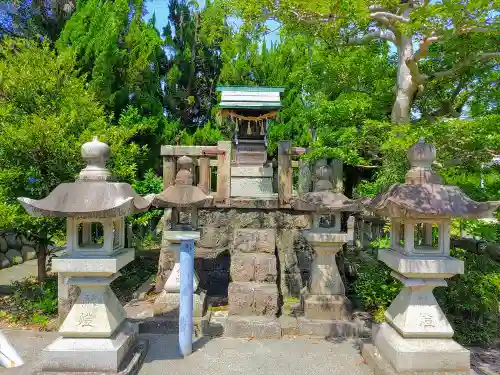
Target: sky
x: 160, y: 9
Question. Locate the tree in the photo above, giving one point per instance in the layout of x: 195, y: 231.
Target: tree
x: 468, y: 30
x: 120, y: 54
x: 34, y: 19
x: 46, y: 114
x: 194, y: 60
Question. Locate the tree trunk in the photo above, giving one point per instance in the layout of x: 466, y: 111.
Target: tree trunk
x: 406, y: 87
x: 42, y: 263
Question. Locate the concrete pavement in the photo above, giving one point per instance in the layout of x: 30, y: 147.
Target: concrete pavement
x: 222, y: 356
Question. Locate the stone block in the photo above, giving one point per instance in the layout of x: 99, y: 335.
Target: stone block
x: 214, y: 237
x: 430, y: 267
x: 14, y: 256
x: 108, y: 265
x: 328, y: 328
x: 381, y: 366
x: 28, y: 253
x: 259, y: 267
x: 167, y: 304
x: 254, y: 240
x: 252, y: 187
x: 326, y: 307
x: 257, y: 327
x: 4, y: 261
x: 90, y: 354
x: 251, y: 171
x: 249, y: 298
x: 413, y: 354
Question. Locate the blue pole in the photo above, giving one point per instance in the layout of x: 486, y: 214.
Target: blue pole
x: 186, y: 300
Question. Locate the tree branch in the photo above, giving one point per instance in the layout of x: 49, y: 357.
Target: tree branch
x: 378, y: 34
x: 463, y: 65
x: 389, y: 16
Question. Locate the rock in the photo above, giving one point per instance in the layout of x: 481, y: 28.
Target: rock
x: 253, y: 299
x: 4, y: 262
x: 25, y: 241
x: 3, y: 244
x: 14, y: 256
x: 13, y: 241
x: 28, y: 253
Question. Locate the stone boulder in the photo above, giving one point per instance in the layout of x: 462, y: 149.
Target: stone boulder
x: 13, y: 241
x: 4, y: 262
x: 28, y: 253
x: 3, y: 244
x: 14, y: 256
x: 25, y: 241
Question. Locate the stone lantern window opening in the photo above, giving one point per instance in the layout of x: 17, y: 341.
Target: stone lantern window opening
x: 91, y: 236
x: 415, y: 236
x: 331, y: 222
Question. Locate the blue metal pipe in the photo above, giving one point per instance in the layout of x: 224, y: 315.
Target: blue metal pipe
x: 186, y: 296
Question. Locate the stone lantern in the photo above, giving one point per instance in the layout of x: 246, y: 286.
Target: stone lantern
x: 417, y: 337
x: 185, y: 197
x: 95, y: 334
x: 325, y: 300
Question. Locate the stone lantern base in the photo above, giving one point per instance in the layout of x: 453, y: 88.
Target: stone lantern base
x: 96, y: 336
x: 121, y: 353
x: 392, y: 354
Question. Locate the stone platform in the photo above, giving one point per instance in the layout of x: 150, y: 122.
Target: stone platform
x: 251, y: 181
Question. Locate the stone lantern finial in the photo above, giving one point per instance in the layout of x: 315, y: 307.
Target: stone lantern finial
x: 95, y: 154
x: 184, y: 176
x: 421, y: 156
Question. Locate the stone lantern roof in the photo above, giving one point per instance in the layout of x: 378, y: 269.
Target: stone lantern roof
x: 183, y: 193
x: 423, y: 194
x: 92, y: 195
x: 324, y: 199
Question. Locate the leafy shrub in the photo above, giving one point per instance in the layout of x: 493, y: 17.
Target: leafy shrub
x: 32, y: 302
x: 471, y: 301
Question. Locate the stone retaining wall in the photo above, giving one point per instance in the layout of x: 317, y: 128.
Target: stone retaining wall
x: 15, y: 249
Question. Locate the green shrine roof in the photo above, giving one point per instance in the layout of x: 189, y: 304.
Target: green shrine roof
x: 250, y: 97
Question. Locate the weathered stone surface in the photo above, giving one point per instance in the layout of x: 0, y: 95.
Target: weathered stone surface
x: 381, y: 366
x: 212, y: 268
x: 328, y: 328
x: 254, y: 240
x: 254, y: 299
x: 3, y: 244
x: 167, y: 304
x: 214, y: 237
x: 66, y: 296
x: 258, y: 327
x: 254, y: 187
x: 93, y: 354
x: 326, y: 307
x: 420, y: 354
x: 4, y: 261
x: 14, y: 256
x: 259, y: 267
x: 28, y: 253
x: 13, y: 241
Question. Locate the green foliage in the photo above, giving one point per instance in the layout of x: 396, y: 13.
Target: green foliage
x: 193, y: 60
x: 32, y: 302
x: 150, y: 184
x: 374, y: 286
x: 120, y: 54
x: 207, y: 135
x: 471, y: 300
